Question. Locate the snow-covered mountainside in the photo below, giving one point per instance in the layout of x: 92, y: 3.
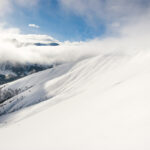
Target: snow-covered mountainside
x: 101, y: 102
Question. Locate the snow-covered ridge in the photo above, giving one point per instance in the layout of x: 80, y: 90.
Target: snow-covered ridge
x: 97, y: 103
x: 64, y: 80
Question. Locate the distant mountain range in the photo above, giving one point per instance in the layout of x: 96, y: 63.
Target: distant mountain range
x: 10, y: 71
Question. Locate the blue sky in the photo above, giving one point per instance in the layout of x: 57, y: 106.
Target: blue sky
x: 73, y: 20
x: 55, y: 21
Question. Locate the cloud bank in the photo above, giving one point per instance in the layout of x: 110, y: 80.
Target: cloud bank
x: 129, y: 19
x: 129, y: 43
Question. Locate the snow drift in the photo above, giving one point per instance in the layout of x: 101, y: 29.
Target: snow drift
x: 101, y: 102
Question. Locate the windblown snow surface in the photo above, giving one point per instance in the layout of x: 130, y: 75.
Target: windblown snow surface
x: 98, y: 103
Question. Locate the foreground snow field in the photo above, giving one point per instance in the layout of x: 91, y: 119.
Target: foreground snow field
x: 99, y: 103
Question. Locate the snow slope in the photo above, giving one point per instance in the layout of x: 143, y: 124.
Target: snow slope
x: 97, y: 103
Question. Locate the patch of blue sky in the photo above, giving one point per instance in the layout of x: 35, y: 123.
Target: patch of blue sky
x: 56, y: 22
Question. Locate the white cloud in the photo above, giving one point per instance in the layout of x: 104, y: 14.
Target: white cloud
x: 107, y: 11
x: 133, y: 39
x: 27, y: 3
x: 7, y: 6
x: 134, y: 34
x: 33, y: 26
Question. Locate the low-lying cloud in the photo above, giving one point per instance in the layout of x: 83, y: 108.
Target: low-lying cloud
x: 129, y: 20
x: 132, y: 39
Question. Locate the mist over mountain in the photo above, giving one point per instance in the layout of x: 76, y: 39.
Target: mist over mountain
x: 10, y: 72
x: 74, y: 74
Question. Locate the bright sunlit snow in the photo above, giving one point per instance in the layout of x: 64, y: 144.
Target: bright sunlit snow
x: 97, y: 103
x: 74, y: 75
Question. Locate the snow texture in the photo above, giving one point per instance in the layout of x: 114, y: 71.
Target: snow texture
x: 101, y: 102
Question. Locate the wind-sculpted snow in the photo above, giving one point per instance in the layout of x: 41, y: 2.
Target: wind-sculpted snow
x: 63, y: 80
x: 32, y: 89
x: 101, y: 102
